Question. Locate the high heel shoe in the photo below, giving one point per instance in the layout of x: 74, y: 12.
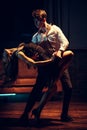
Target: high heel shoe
x: 24, y: 118
x: 36, y: 115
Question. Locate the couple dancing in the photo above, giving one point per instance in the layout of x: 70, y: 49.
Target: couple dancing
x: 52, y: 39
x: 52, y: 60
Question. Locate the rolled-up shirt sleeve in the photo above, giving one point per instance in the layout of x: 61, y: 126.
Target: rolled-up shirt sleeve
x: 63, y: 40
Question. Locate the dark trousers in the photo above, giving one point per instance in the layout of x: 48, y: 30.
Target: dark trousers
x: 46, y: 76
x: 37, y: 88
x: 67, y: 89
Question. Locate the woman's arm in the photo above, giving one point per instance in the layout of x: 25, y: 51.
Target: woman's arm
x: 29, y: 60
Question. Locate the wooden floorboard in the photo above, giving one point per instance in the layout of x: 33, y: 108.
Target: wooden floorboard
x: 50, y: 117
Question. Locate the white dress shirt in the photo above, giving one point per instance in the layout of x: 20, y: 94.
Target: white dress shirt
x: 55, y: 36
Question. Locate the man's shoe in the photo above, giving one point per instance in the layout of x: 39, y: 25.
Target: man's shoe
x: 66, y: 118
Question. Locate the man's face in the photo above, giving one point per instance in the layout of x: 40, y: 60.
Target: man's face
x: 38, y: 23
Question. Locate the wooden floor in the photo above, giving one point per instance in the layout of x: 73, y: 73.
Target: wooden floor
x: 50, y: 117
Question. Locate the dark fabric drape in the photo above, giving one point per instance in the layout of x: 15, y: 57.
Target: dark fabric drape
x: 58, y: 13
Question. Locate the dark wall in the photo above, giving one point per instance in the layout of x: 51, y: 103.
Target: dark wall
x: 16, y: 23
x: 78, y: 74
x: 78, y: 24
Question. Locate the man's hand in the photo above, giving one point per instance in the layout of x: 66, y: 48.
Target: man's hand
x: 58, y: 54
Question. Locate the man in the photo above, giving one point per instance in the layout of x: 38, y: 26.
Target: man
x: 52, y: 39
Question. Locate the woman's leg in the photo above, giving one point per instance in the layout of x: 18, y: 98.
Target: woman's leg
x: 66, y: 60
x: 45, y: 98
x: 37, y: 89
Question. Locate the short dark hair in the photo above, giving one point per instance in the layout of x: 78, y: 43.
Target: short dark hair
x: 39, y: 14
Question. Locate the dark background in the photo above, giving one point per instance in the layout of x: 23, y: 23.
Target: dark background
x: 16, y: 23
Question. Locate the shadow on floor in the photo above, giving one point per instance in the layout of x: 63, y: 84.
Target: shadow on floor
x: 9, y: 122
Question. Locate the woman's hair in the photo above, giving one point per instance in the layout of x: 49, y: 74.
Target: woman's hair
x: 39, y: 14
